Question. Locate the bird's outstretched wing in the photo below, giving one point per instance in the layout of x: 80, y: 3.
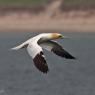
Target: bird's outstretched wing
x: 36, y: 52
x: 54, y: 47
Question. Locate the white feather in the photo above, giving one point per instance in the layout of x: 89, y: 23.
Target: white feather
x: 17, y: 47
x: 34, y: 39
x: 33, y: 49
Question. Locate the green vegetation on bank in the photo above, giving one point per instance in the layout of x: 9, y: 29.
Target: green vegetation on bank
x: 79, y: 3
x: 67, y: 4
x: 21, y: 2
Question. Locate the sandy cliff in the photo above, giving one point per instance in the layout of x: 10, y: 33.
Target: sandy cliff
x: 50, y: 19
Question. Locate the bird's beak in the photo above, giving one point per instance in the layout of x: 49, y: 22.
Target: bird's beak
x: 62, y: 37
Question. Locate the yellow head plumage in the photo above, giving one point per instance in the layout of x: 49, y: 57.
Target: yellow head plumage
x: 56, y: 35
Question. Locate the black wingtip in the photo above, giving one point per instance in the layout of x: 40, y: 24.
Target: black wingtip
x: 45, y: 72
x: 71, y: 57
x: 40, y: 63
x: 68, y: 55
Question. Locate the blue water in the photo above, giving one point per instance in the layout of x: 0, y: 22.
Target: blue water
x: 18, y: 75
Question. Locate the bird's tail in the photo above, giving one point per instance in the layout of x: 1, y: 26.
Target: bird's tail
x: 23, y: 45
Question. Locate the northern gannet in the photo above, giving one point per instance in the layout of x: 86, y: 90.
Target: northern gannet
x: 45, y: 40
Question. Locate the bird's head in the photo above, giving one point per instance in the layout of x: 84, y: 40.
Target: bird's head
x: 51, y: 36
x: 57, y: 36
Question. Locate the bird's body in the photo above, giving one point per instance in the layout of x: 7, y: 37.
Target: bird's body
x: 45, y: 40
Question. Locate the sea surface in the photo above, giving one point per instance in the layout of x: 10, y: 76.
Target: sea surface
x: 18, y: 75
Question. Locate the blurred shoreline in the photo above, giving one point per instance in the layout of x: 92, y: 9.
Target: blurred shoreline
x: 76, y: 21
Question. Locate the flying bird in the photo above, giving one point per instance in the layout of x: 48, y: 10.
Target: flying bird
x: 35, y: 46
